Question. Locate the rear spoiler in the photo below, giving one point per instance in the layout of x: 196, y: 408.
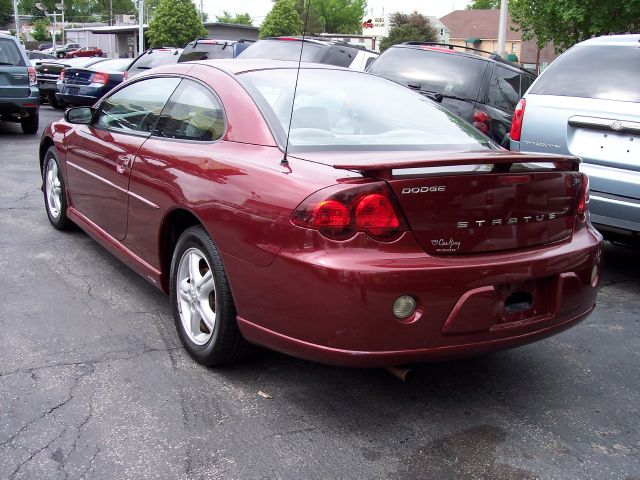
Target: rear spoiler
x: 568, y: 163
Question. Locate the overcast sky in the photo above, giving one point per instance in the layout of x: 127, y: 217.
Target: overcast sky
x: 259, y: 8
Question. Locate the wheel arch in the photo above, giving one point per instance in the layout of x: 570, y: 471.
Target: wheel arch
x: 174, y: 224
x: 46, y: 143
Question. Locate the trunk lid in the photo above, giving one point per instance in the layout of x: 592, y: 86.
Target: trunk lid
x: 78, y: 76
x: 483, y: 202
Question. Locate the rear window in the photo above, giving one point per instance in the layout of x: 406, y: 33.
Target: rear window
x: 10, y: 53
x: 340, y: 109
x: 431, y: 71
x: 156, y: 58
x: 114, y: 65
x: 206, y: 51
x: 598, y: 71
x: 283, y: 50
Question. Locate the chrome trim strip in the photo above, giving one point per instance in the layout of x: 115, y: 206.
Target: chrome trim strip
x: 97, y: 177
x: 605, y: 124
x: 111, y: 184
x: 143, y: 200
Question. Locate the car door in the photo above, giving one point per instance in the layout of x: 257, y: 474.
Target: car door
x: 100, y: 156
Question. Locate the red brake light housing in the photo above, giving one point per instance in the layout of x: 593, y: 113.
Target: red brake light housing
x: 100, y: 77
x: 33, y: 80
x: 342, y: 211
x: 62, y: 74
x: 582, y: 209
x: 516, y: 123
x: 482, y: 121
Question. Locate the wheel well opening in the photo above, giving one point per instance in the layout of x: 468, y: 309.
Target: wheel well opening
x: 175, y: 223
x: 44, y: 146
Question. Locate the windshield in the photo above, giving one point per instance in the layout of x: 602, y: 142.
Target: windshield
x: 573, y: 74
x: 206, y: 51
x: 154, y: 58
x: 283, y: 50
x: 432, y: 71
x: 335, y: 109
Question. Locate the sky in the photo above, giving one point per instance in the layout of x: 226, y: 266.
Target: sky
x: 258, y: 9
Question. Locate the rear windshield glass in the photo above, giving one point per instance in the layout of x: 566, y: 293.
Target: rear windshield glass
x: 598, y: 71
x: 431, y: 71
x: 154, y: 59
x: 282, y: 50
x: 206, y: 51
x: 10, y: 53
x: 340, y: 109
x: 114, y: 65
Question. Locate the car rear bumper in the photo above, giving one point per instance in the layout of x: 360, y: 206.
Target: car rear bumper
x: 28, y: 105
x: 335, y: 306
x: 85, y: 95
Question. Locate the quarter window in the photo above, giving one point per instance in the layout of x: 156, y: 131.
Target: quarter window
x: 504, y: 90
x: 193, y: 113
x: 136, y: 107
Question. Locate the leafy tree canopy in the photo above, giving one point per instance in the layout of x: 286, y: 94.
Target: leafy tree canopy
x: 175, y: 23
x: 283, y: 19
x: 238, y: 18
x: 566, y: 22
x: 483, y: 4
x: 412, y: 27
x: 309, y: 13
x: 340, y: 16
x: 40, y: 31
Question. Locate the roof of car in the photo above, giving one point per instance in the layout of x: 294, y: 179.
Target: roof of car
x: 241, y: 65
x: 624, y: 40
x: 472, y: 53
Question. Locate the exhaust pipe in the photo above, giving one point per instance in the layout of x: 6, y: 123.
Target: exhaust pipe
x: 403, y: 373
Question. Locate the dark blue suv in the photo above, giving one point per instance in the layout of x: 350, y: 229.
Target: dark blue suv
x: 19, y: 95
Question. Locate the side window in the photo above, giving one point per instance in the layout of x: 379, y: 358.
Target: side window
x: 504, y: 90
x: 525, y: 83
x: 193, y: 113
x: 136, y: 107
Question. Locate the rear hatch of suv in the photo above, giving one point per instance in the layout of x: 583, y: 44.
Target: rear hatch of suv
x: 592, y: 113
x: 14, y: 73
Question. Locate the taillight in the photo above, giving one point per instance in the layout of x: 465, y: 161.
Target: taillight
x: 583, y: 200
x: 516, y: 124
x: 125, y: 75
x: 100, y: 77
x: 482, y: 121
x: 342, y: 211
x: 33, y: 80
x: 62, y: 75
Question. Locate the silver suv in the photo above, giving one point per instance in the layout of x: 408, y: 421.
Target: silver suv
x: 19, y: 95
x: 587, y: 104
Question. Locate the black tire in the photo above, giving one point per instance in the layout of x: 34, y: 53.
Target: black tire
x: 57, y: 213
x: 30, y: 124
x: 53, y: 101
x: 224, y: 344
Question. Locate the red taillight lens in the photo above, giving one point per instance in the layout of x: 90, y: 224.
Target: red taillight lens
x: 583, y: 200
x: 516, y: 124
x: 33, y: 80
x: 100, y: 77
x: 331, y: 214
x: 376, y: 215
x: 62, y: 75
x: 481, y: 126
x: 482, y: 121
x: 342, y: 211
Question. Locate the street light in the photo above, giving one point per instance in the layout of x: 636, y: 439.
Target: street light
x: 42, y: 7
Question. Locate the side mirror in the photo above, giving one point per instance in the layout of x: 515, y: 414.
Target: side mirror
x: 79, y: 115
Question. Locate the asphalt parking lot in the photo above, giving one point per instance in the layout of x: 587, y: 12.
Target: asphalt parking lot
x: 95, y: 384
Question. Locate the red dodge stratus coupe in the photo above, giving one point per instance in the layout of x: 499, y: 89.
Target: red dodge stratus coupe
x: 389, y: 232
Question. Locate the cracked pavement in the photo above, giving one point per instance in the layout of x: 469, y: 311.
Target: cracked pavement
x: 95, y: 384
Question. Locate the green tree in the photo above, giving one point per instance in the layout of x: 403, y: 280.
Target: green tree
x: 40, y: 31
x: 238, y: 18
x: 312, y: 24
x: 483, y: 4
x: 567, y: 22
x: 340, y: 16
x: 283, y: 19
x: 412, y: 27
x: 175, y: 23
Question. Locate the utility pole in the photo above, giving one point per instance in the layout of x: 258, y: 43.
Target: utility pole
x: 17, y: 20
x: 201, y: 12
x: 140, y: 26
x: 502, y: 29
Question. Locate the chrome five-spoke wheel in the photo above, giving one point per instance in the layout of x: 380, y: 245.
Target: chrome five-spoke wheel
x: 196, y: 296
x: 53, y: 189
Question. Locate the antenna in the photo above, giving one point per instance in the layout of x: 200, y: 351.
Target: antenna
x: 285, y: 160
